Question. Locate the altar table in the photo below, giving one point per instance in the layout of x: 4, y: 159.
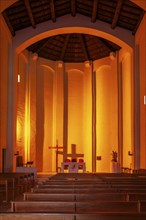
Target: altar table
x: 73, y: 167
x: 27, y: 170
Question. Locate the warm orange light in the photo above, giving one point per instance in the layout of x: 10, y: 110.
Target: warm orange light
x: 75, y: 110
x: 127, y: 110
x: 19, y: 78
x: 106, y: 116
x: 18, y: 129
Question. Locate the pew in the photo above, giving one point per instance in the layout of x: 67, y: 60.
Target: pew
x: 43, y: 206
x: 64, y: 216
x: 7, y: 185
x: 12, y: 184
x: 77, y: 207
x: 75, y: 186
x: 77, y: 182
x: 72, y: 190
x: 24, y: 179
x: 111, y: 216
x: 123, y: 181
x: 142, y: 205
x: 131, y: 190
x: 106, y: 206
x: 77, y: 197
x: 37, y: 216
x: 136, y: 196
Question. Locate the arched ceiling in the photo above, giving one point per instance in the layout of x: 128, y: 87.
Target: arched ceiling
x: 73, y: 47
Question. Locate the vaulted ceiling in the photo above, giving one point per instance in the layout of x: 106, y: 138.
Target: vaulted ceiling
x: 73, y: 47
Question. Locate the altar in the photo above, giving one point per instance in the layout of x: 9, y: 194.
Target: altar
x: 73, y: 167
x: 27, y: 170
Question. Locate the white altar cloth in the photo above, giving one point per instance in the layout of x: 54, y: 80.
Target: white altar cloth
x: 73, y: 167
x: 27, y: 170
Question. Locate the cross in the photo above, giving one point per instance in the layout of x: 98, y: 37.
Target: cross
x: 73, y: 154
x: 57, y: 152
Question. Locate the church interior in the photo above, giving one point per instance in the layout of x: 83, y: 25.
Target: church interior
x: 73, y: 106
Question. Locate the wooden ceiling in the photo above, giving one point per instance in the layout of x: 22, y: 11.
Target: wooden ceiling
x: 73, y: 47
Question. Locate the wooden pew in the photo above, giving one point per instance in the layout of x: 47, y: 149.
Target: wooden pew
x: 43, y: 206
x: 24, y: 179
x: 37, y: 216
x: 106, y: 206
x: 123, y: 181
x: 72, y: 190
x: 64, y: 216
x: 72, y: 182
x: 13, y: 183
x: 7, y: 185
x: 129, y: 187
x: 131, y: 190
x: 89, y: 186
x: 49, y: 197
x: 111, y: 216
x: 142, y: 206
x: 136, y: 196
x: 76, y: 197
x: 76, y: 207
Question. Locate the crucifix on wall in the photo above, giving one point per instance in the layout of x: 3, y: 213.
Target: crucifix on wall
x: 73, y: 153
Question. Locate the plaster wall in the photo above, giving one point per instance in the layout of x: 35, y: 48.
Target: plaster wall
x: 5, y: 42
x: 140, y: 41
x: 106, y: 112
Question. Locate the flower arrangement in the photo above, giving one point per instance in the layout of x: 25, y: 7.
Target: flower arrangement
x: 114, y: 156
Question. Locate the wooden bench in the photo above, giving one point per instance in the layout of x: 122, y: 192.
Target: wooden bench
x: 89, y: 186
x: 131, y: 190
x: 129, y: 186
x: 13, y: 183
x: 122, y: 180
x: 106, y: 206
x: 25, y: 179
x: 64, y: 216
x: 72, y: 190
x: 43, y: 206
x: 77, y: 182
x: 76, y: 197
x: 142, y: 206
x: 111, y: 216
x: 37, y: 216
x: 7, y: 185
x: 136, y: 196
x: 76, y: 207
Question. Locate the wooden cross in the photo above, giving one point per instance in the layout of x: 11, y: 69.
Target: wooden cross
x: 57, y: 152
x: 73, y: 154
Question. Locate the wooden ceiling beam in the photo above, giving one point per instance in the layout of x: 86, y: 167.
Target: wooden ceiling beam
x: 29, y: 11
x: 42, y: 46
x: 117, y: 13
x: 8, y: 23
x: 138, y: 23
x: 106, y: 44
x: 84, y: 47
x: 73, y: 8
x: 94, y: 11
x: 64, y: 46
x: 52, y: 9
